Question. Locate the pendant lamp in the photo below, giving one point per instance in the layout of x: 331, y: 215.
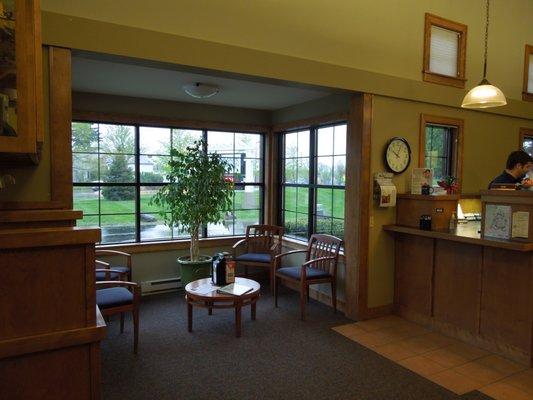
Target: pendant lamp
x: 201, y: 90
x: 484, y: 95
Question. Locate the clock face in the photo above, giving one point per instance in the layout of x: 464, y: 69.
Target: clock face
x: 398, y: 155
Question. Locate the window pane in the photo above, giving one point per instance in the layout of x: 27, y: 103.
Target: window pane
x: 291, y: 145
x: 303, y: 144
x: 251, y: 173
x: 85, y: 168
x: 340, y: 139
x: 117, y: 139
x: 338, y: 203
x: 303, y: 170
x: 249, y: 144
x: 154, y: 169
x: 295, y: 224
x: 88, y: 220
x: 154, y: 228
x: 337, y: 228
x: 117, y: 199
x: 117, y: 168
x: 302, y: 200
x: 291, y: 170
x: 244, y: 218
x: 154, y: 140
x: 324, y: 172
x: 86, y: 199
x: 324, y: 202
x: 181, y: 138
x: 220, y: 142
x: 147, y: 192
x: 247, y: 197
x: 324, y: 224
x: 84, y: 137
x: 221, y: 229
x: 325, y: 141
x: 443, y: 51
x: 289, y: 198
x: 527, y: 145
x: 339, y: 171
x: 118, y: 228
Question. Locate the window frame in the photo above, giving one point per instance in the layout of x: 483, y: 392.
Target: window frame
x: 457, y: 142
x: 433, y: 77
x: 312, y: 186
x: 137, y: 183
x: 527, y: 96
x: 523, y: 134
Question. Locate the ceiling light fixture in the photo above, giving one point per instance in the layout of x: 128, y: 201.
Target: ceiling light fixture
x: 484, y: 95
x: 201, y: 90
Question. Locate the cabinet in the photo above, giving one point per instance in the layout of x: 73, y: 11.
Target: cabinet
x: 21, y: 97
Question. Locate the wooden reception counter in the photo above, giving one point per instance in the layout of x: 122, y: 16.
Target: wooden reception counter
x: 475, y: 288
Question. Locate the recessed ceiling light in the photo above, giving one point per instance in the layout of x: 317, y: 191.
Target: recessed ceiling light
x: 201, y: 90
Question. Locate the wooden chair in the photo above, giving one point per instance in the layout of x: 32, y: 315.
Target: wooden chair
x: 320, y: 266
x: 103, y: 272
x: 261, y: 244
x: 123, y: 267
x: 113, y: 297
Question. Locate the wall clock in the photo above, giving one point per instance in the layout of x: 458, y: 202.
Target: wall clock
x: 397, y: 155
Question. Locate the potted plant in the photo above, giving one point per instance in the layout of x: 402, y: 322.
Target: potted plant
x: 198, y: 193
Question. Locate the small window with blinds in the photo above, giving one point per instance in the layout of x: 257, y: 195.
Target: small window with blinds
x: 527, y: 93
x: 444, y: 51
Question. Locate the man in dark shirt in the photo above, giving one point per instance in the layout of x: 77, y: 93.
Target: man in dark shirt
x: 518, y: 164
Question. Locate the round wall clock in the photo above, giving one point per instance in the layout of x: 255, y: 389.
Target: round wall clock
x: 397, y: 155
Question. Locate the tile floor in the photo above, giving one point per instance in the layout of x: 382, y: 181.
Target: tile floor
x: 448, y: 362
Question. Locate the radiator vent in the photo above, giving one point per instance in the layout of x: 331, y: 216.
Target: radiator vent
x: 160, y: 285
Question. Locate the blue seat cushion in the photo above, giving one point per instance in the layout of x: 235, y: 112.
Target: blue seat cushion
x: 100, y: 276
x: 113, y: 297
x: 254, y: 257
x: 119, y: 268
x: 310, y: 273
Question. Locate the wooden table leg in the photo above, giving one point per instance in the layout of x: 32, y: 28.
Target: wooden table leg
x: 189, y: 316
x: 253, y: 310
x: 238, y: 306
x: 209, y: 307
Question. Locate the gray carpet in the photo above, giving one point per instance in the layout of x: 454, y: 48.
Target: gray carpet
x: 277, y: 357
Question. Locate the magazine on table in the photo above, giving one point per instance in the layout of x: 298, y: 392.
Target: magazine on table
x: 234, y: 289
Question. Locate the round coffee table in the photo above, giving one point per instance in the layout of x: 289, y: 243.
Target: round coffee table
x: 196, y: 296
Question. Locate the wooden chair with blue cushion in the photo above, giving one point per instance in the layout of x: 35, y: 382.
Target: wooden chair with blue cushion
x: 125, y: 265
x: 261, y: 244
x: 113, y: 297
x: 320, y: 266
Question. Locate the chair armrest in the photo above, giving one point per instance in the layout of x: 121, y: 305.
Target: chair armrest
x: 315, y: 260
x: 102, y: 263
x: 275, y: 246
x: 277, y: 258
x: 115, y: 253
x: 240, y: 242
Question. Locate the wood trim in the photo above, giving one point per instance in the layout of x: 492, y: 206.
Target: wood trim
x: 271, y: 173
x: 357, y: 210
x: 522, y: 134
x: 22, y: 216
x: 150, y: 247
x: 60, y: 125
x: 469, y: 196
x: 527, y: 96
x: 306, y: 122
x: 39, y: 96
x: 91, y: 116
x: 32, y: 205
x: 462, y: 30
x: 41, y: 237
x: 458, y: 148
x: 381, y: 311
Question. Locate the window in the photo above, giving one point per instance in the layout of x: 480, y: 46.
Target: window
x: 118, y: 168
x: 441, y: 146
x: 527, y: 92
x: 444, y: 51
x: 313, y: 180
x: 526, y: 140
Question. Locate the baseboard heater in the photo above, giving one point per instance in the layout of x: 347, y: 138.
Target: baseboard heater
x: 160, y: 285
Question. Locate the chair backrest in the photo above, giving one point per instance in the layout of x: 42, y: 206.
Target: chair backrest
x: 260, y: 238
x: 322, y: 245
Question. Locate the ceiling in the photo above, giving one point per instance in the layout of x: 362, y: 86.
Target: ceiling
x: 123, y: 78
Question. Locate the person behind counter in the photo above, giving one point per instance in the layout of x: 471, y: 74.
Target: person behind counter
x: 518, y: 165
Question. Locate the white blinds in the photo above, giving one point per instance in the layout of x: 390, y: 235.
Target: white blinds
x: 530, y: 75
x: 444, y: 51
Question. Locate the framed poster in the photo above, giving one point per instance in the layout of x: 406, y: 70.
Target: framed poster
x: 498, y: 221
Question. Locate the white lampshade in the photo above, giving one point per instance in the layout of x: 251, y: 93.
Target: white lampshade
x: 200, y: 90
x: 484, y: 95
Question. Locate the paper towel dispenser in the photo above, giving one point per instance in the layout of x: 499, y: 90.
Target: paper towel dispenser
x: 384, y: 189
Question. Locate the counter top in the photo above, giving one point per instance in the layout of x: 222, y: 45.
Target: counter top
x: 465, y: 233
